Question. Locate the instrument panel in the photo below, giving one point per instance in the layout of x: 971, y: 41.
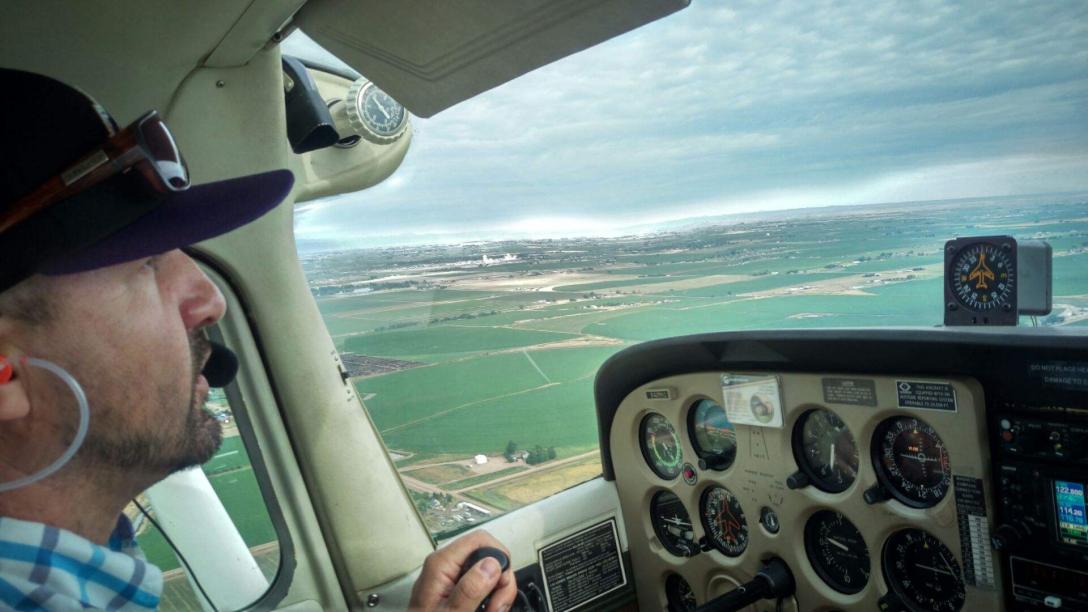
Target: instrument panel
x: 868, y: 487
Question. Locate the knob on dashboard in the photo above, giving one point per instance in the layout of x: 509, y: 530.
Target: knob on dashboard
x: 1007, y: 537
x: 797, y: 480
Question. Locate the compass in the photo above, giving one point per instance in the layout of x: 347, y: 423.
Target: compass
x: 980, y: 281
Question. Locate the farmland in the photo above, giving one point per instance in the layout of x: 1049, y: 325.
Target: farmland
x: 504, y: 338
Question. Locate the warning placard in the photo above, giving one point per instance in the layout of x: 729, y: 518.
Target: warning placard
x: 583, y: 567
x: 752, y: 400
x: 926, y: 395
x: 853, y: 391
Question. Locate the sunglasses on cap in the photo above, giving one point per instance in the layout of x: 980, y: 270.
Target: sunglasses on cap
x: 146, y: 146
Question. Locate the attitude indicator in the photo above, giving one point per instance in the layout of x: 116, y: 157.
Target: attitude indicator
x: 981, y: 281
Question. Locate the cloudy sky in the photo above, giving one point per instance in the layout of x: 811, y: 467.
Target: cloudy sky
x: 737, y: 107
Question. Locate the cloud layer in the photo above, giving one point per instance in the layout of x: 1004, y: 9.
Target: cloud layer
x: 740, y: 107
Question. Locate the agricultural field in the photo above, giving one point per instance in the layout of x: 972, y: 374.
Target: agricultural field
x: 457, y: 358
x: 500, y: 341
x: 232, y: 477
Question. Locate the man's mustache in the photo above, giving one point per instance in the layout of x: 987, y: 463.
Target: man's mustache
x: 201, y: 349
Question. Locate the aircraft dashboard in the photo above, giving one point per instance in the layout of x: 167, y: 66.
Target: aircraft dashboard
x: 923, y: 469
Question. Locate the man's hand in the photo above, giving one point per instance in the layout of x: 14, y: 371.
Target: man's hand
x: 438, y: 589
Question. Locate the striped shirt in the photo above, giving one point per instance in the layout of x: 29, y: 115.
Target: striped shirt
x: 45, y: 568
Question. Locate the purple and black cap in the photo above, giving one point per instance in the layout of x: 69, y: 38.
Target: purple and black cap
x: 45, y: 128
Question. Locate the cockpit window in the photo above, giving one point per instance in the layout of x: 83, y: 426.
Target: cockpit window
x: 726, y: 168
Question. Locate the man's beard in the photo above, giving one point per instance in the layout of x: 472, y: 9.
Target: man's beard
x: 166, y: 448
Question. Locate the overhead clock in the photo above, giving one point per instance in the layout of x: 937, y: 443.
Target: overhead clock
x: 980, y: 281
x: 374, y: 114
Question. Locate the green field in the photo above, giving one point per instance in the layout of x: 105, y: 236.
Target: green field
x: 482, y: 478
x: 446, y: 340
x: 241, y: 496
x: 453, y: 389
x: 491, y: 376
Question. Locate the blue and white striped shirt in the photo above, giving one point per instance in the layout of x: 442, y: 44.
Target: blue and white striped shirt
x: 45, y: 568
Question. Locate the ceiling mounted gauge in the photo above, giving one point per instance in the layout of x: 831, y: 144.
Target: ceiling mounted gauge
x: 723, y: 520
x: 922, y: 574
x: 911, y: 463
x: 661, y: 446
x: 373, y: 114
x: 981, y: 281
x: 825, y: 451
x: 712, y: 435
x: 672, y: 524
x: 837, y: 551
x: 679, y: 594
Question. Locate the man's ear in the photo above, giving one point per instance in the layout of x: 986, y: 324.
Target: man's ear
x: 14, y: 400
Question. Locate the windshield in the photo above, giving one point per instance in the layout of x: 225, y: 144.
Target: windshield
x: 740, y: 167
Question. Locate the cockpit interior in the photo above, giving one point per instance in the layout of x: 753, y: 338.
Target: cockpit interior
x: 931, y: 468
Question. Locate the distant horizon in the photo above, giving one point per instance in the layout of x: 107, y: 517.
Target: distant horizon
x: 741, y: 107
x: 308, y: 247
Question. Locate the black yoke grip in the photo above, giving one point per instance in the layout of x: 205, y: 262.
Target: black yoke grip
x: 478, y: 555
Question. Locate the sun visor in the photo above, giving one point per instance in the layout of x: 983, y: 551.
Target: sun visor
x: 432, y: 54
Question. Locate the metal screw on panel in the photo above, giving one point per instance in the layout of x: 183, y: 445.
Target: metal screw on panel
x: 952, y: 306
x: 220, y: 83
x: 1007, y: 307
x: 373, y: 600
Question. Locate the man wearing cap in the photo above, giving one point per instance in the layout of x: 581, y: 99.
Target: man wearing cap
x: 98, y: 300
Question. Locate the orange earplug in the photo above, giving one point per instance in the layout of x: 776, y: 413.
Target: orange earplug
x: 6, y: 370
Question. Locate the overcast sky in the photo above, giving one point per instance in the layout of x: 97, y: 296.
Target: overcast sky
x: 738, y: 107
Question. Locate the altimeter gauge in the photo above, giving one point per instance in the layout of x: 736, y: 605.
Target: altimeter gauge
x: 981, y: 281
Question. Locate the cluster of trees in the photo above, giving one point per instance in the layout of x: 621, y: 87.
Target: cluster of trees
x: 425, y: 501
x: 535, y: 455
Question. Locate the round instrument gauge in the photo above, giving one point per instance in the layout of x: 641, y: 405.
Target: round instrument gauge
x: 825, y: 450
x: 911, y: 461
x: 982, y: 276
x: 724, y: 521
x: 837, y: 551
x: 712, y: 435
x: 661, y: 446
x: 679, y: 594
x: 922, y: 572
x: 672, y: 524
x: 374, y: 114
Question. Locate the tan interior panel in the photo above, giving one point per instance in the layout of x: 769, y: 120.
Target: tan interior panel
x: 757, y: 478
x: 432, y: 54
